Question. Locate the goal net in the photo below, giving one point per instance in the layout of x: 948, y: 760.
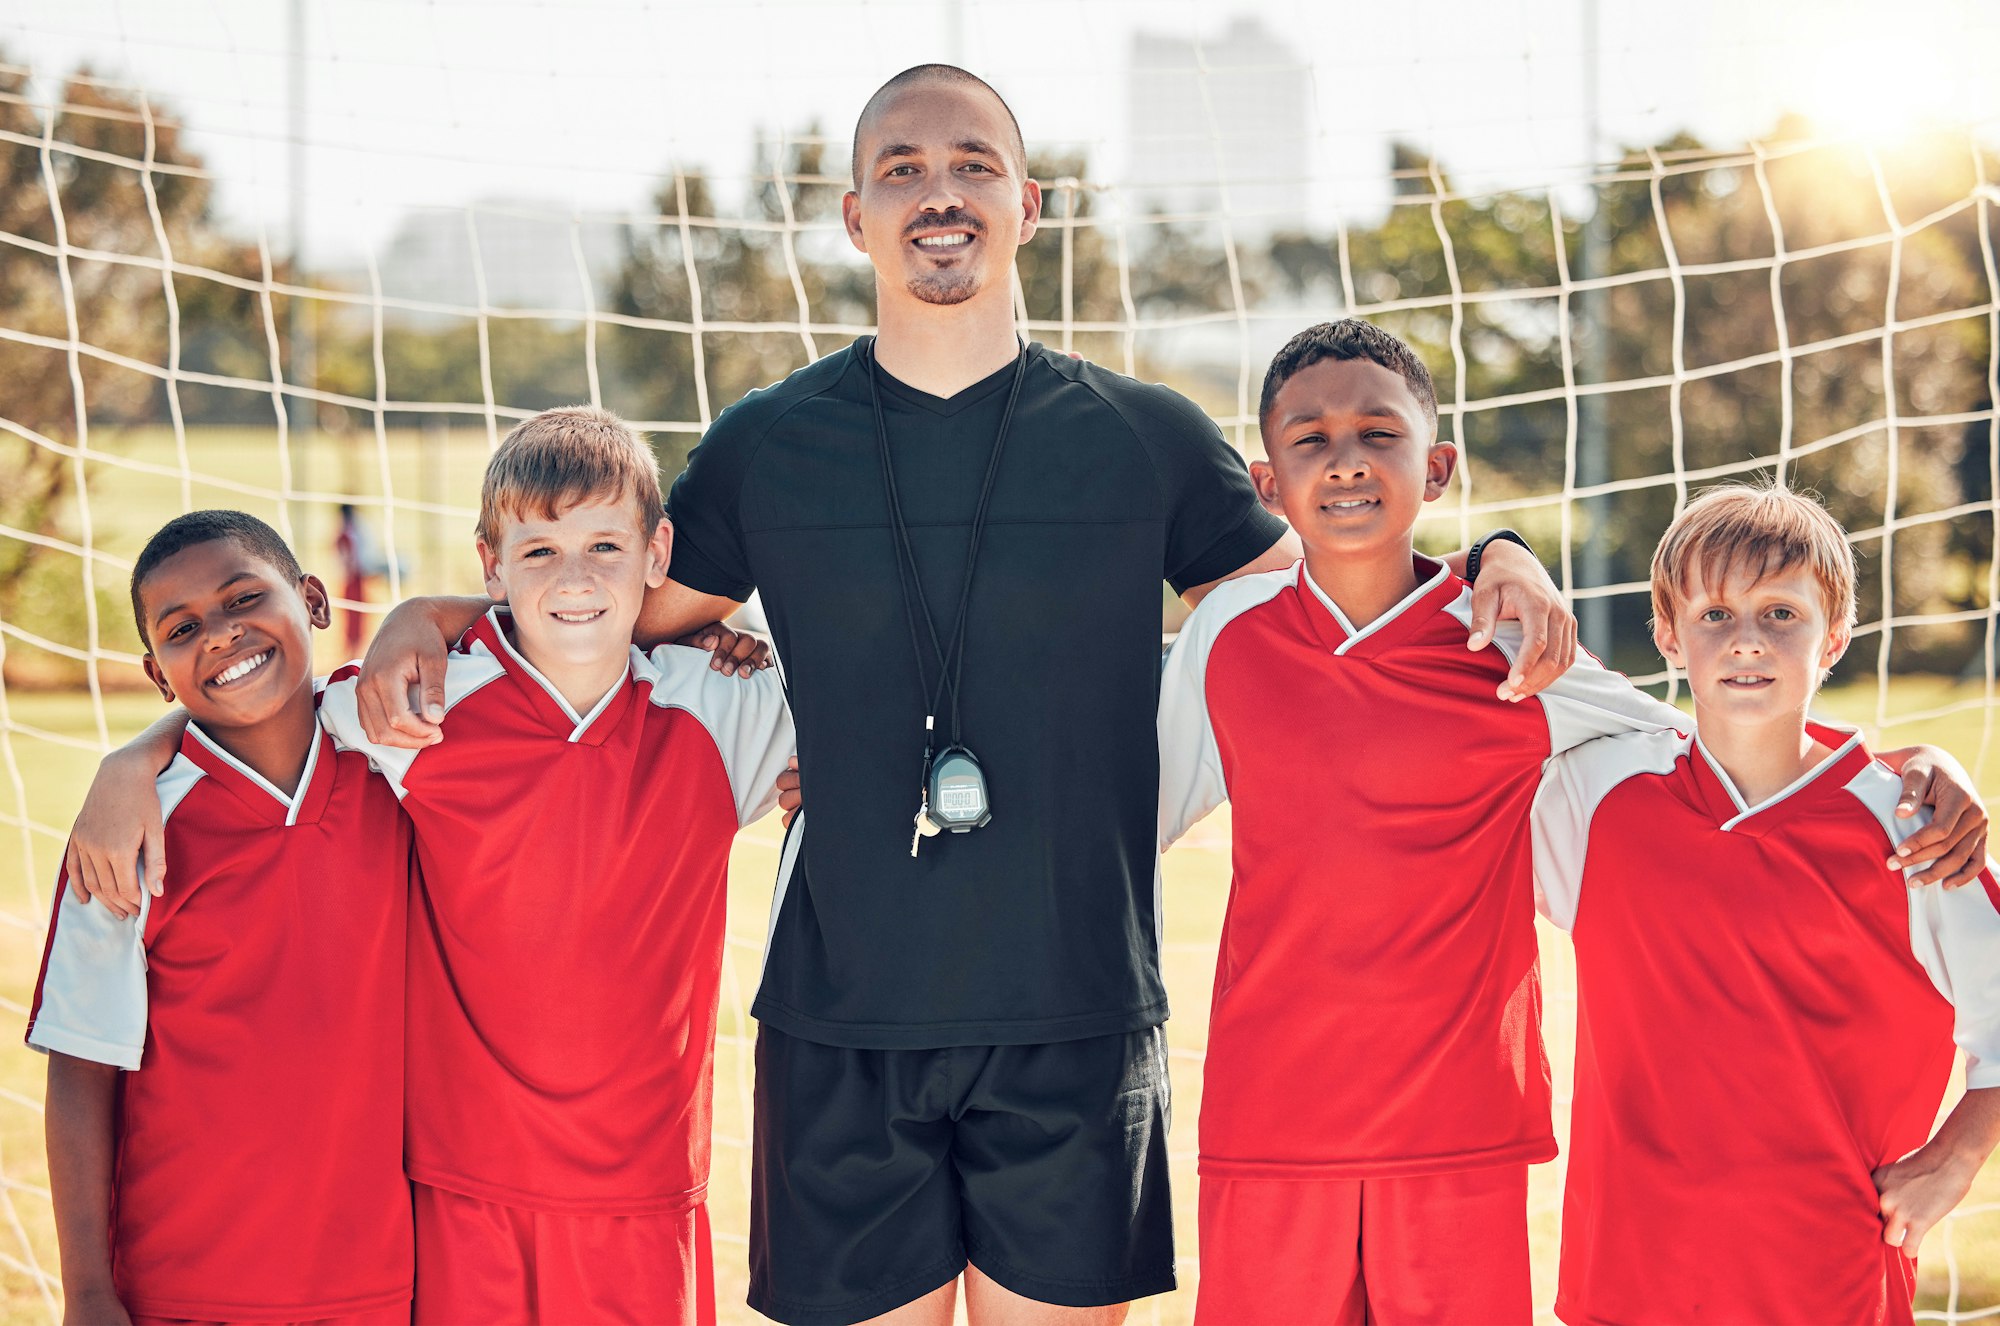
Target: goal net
x: 314, y: 266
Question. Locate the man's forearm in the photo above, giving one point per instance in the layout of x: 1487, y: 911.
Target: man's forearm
x: 672, y: 610
x: 1277, y: 557
x: 79, y: 1133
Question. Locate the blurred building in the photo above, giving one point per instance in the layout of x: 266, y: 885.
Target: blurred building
x: 526, y: 252
x: 1215, y: 119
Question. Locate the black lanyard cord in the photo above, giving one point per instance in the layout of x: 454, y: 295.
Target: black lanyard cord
x: 951, y: 665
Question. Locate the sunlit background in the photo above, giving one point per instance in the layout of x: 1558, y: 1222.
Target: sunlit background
x: 311, y: 258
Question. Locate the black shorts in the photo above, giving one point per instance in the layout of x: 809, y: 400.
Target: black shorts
x: 878, y: 1174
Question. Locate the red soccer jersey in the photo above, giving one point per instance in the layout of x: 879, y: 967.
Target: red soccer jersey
x: 1377, y: 998
x: 566, y: 963
x: 260, y: 1143
x: 1764, y: 1016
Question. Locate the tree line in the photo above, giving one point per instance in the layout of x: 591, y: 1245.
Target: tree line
x: 1680, y: 242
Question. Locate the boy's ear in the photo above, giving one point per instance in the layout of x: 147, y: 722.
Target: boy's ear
x: 659, y: 553
x: 1439, y: 466
x: 158, y: 676
x: 319, y: 605
x: 1265, y: 479
x: 1837, y: 641
x: 489, y: 567
x: 1668, y: 644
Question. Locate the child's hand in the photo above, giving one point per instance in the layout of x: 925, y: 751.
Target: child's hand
x: 119, y: 845
x: 1952, y: 847
x: 734, y: 651
x: 790, y: 798
x: 1918, y: 1191
x: 1514, y: 586
x: 94, y: 1307
x: 400, y: 696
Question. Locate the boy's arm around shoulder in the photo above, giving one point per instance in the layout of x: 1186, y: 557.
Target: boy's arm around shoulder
x: 1588, y: 700
x: 343, y: 700
x: 117, y: 847
x: 746, y: 717
x: 340, y: 702
x: 1949, y: 845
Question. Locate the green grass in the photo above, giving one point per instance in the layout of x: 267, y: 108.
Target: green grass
x: 44, y: 778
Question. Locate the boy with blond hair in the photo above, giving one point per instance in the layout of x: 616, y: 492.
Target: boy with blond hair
x: 1766, y: 1021
x: 565, y: 972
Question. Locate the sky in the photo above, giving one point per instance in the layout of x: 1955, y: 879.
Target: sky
x: 586, y: 103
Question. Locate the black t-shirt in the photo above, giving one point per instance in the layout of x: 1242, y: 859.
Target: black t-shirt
x: 1042, y: 925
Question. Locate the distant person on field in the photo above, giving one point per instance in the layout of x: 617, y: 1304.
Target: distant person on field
x: 362, y: 559
x: 1765, y: 1018
x: 1375, y: 1085
x: 347, y: 547
x: 225, y: 1094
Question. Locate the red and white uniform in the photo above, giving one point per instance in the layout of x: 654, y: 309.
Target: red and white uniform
x: 260, y: 1141
x: 1377, y: 1009
x: 1765, y: 1015
x: 565, y: 968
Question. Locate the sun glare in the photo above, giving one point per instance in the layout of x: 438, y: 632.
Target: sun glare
x: 1880, y: 86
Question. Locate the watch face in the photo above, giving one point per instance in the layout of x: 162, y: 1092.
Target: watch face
x: 958, y: 792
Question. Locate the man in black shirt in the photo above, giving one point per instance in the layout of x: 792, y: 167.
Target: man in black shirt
x: 959, y: 541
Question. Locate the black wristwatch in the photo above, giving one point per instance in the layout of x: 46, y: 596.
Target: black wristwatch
x: 1479, y: 548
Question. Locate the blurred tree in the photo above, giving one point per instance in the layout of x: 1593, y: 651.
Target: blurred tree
x: 94, y: 200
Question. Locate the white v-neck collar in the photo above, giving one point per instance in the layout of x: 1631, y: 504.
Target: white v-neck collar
x: 1743, y: 809
x: 580, y: 724
x: 293, y: 803
x: 1355, y: 637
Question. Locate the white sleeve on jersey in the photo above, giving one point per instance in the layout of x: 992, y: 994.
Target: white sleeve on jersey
x: 1191, y: 780
x: 93, y: 991
x: 1589, y: 700
x: 1574, y: 783
x: 1954, y: 933
x: 746, y: 717
x: 340, y: 716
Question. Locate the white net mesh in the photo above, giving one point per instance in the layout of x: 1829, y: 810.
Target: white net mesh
x: 200, y: 309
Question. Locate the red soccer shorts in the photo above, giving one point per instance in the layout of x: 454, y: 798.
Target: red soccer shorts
x: 1433, y: 1249
x: 396, y: 1316
x: 483, y: 1262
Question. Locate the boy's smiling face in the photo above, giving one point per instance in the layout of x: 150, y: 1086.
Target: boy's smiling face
x: 575, y: 581
x: 1352, y: 456
x: 231, y: 636
x: 1753, y: 647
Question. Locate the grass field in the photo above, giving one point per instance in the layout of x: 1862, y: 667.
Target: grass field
x: 418, y: 488
x: 47, y: 752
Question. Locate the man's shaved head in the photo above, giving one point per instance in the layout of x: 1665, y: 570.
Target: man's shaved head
x: 950, y: 75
